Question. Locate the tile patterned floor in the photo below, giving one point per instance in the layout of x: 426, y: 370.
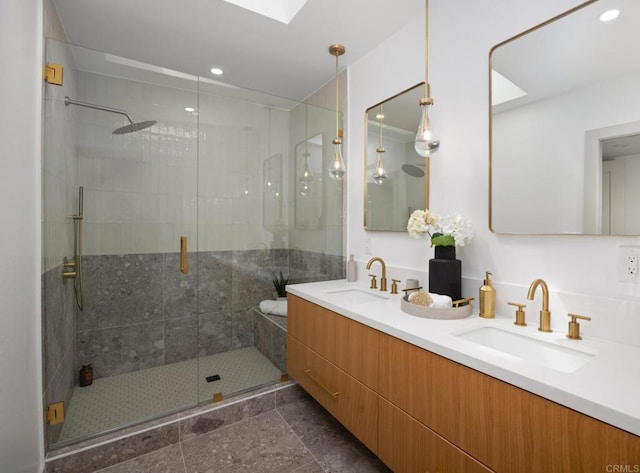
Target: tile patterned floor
x: 132, y: 397
x: 299, y: 437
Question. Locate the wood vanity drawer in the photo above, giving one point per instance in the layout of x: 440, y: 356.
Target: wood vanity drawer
x: 407, y: 446
x: 348, y: 344
x: 504, y: 427
x: 348, y: 400
x: 313, y: 325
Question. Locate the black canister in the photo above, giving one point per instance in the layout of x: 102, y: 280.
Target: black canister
x: 86, y: 376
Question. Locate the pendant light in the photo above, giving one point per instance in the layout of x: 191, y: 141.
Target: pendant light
x: 380, y: 174
x: 427, y: 141
x: 306, y: 177
x: 337, y: 169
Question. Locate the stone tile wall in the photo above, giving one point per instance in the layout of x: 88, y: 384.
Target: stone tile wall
x: 270, y: 337
x: 58, y: 324
x: 140, y: 311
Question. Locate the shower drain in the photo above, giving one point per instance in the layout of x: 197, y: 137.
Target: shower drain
x: 212, y: 378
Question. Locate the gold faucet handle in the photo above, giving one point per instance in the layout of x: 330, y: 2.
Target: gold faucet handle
x: 520, y: 315
x: 394, y: 286
x: 374, y: 283
x: 574, y: 326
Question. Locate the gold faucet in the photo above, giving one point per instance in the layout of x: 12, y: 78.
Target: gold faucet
x: 545, y: 315
x: 383, y: 278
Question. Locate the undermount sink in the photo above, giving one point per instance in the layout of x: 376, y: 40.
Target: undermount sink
x: 535, y: 351
x: 354, y: 295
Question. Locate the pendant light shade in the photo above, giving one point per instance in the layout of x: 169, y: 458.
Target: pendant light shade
x: 337, y: 170
x: 427, y: 142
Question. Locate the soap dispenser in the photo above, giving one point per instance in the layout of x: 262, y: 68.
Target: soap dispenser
x: 487, y: 298
x: 351, y: 269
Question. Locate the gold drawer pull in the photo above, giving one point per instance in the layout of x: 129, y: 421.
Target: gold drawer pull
x: 324, y: 388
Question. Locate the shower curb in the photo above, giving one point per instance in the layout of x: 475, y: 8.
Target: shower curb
x: 117, y: 447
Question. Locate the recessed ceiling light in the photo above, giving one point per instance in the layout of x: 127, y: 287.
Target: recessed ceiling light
x: 609, y: 15
x: 216, y: 71
x: 189, y: 109
x: 280, y: 10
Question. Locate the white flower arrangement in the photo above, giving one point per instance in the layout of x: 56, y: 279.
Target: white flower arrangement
x: 451, y: 230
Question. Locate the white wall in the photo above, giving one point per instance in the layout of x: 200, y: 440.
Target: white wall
x: 21, y: 441
x: 461, y: 34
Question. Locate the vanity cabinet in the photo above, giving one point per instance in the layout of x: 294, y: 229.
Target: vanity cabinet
x: 335, y: 360
x: 419, y: 411
x: 504, y: 427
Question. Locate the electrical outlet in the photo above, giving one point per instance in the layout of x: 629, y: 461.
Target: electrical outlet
x: 367, y: 246
x: 628, y: 258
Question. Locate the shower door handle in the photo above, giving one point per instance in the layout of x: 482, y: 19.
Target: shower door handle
x: 184, y: 265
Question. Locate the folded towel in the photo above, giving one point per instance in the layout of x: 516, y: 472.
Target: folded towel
x: 435, y: 301
x: 440, y: 301
x: 278, y: 307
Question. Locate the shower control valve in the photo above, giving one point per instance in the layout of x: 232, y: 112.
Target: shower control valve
x: 68, y: 269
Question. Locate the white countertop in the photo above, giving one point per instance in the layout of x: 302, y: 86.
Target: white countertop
x: 607, y: 387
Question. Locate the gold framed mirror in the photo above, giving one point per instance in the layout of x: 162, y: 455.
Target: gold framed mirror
x: 396, y: 177
x: 565, y: 147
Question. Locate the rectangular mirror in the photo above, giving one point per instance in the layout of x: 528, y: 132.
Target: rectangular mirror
x: 396, y: 177
x: 565, y: 125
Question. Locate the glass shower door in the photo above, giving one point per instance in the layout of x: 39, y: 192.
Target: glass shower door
x: 136, y: 330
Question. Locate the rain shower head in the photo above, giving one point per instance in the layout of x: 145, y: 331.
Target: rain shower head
x: 413, y: 169
x: 130, y: 128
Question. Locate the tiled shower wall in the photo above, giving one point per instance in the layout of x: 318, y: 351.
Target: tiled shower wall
x: 141, y: 311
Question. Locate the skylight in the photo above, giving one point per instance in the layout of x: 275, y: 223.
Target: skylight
x: 280, y: 10
x: 503, y: 90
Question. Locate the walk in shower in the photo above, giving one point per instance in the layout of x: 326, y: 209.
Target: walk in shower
x: 183, y: 221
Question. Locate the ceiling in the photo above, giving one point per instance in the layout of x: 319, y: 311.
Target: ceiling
x: 257, y: 53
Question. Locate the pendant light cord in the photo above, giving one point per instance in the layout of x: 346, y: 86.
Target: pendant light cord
x: 337, y: 102
x: 427, y: 92
x: 380, y: 129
